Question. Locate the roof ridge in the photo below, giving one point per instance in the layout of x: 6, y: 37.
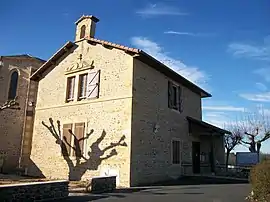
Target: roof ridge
x: 115, y: 45
x: 23, y: 55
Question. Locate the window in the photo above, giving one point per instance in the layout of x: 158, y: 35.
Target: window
x: 176, y: 152
x: 73, y: 139
x: 13, y: 85
x: 174, y: 97
x: 82, y: 86
x: 70, y: 88
x: 87, y: 85
x: 82, y: 34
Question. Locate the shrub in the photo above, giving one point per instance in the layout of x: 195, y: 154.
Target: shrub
x: 260, y: 182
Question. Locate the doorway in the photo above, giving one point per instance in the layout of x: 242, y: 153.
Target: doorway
x: 196, y: 157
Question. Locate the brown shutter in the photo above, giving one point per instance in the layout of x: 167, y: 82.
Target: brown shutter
x: 93, y: 84
x: 79, y: 139
x: 66, y: 147
x: 170, y: 94
x: 179, y: 99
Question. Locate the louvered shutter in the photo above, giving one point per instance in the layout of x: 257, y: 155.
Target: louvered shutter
x: 78, y: 139
x: 66, y: 148
x: 93, y: 84
x: 170, y: 94
x: 179, y: 99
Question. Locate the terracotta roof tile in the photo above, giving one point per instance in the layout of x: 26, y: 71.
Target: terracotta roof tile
x: 122, y: 47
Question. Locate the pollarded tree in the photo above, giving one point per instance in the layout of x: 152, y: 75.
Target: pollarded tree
x: 255, y: 129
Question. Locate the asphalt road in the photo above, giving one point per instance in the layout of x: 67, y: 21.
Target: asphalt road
x: 190, y: 193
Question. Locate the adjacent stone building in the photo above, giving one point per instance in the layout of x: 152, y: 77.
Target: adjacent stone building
x: 15, y: 72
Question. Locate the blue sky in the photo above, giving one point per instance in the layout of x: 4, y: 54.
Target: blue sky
x: 223, y: 46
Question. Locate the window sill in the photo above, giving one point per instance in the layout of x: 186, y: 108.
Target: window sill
x: 68, y: 101
x: 176, y: 165
x: 175, y: 110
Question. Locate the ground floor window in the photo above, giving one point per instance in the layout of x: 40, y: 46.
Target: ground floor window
x: 73, y: 139
x: 176, y: 155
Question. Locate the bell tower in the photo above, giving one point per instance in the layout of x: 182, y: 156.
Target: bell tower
x: 86, y: 27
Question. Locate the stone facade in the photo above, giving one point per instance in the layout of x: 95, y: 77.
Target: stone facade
x: 151, y: 158
x: 111, y: 113
x: 12, y: 122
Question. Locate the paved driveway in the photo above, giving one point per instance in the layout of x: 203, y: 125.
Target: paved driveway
x: 190, y: 193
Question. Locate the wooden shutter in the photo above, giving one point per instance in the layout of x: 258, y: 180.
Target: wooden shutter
x: 170, y: 94
x: 66, y: 150
x: 79, y: 139
x: 179, y: 99
x: 93, y: 84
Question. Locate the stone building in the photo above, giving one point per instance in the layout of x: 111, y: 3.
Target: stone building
x: 107, y: 109
x: 15, y: 72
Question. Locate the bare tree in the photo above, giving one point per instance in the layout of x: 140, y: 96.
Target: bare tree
x: 231, y: 140
x: 10, y: 104
x: 255, y: 129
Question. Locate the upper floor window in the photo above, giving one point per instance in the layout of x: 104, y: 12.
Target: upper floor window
x: 88, y: 86
x: 82, y: 33
x: 174, y: 97
x: 70, y: 88
x: 13, y: 85
x: 82, y: 86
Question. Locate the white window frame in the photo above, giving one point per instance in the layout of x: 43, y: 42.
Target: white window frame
x: 78, y: 86
x: 67, y: 100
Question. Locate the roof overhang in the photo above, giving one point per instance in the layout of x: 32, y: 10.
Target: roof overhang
x: 208, y: 128
x: 38, y: 74
x: 95, y: 19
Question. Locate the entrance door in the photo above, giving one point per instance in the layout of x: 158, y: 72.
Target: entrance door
x: 196, y: 157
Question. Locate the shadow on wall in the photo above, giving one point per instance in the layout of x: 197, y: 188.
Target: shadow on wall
x: 81, y: 164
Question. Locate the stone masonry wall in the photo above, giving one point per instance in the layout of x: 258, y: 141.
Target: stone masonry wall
x: 12, y: 121
x: 109, y: 116
x: 151, y: 158
x: 36, y: 191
